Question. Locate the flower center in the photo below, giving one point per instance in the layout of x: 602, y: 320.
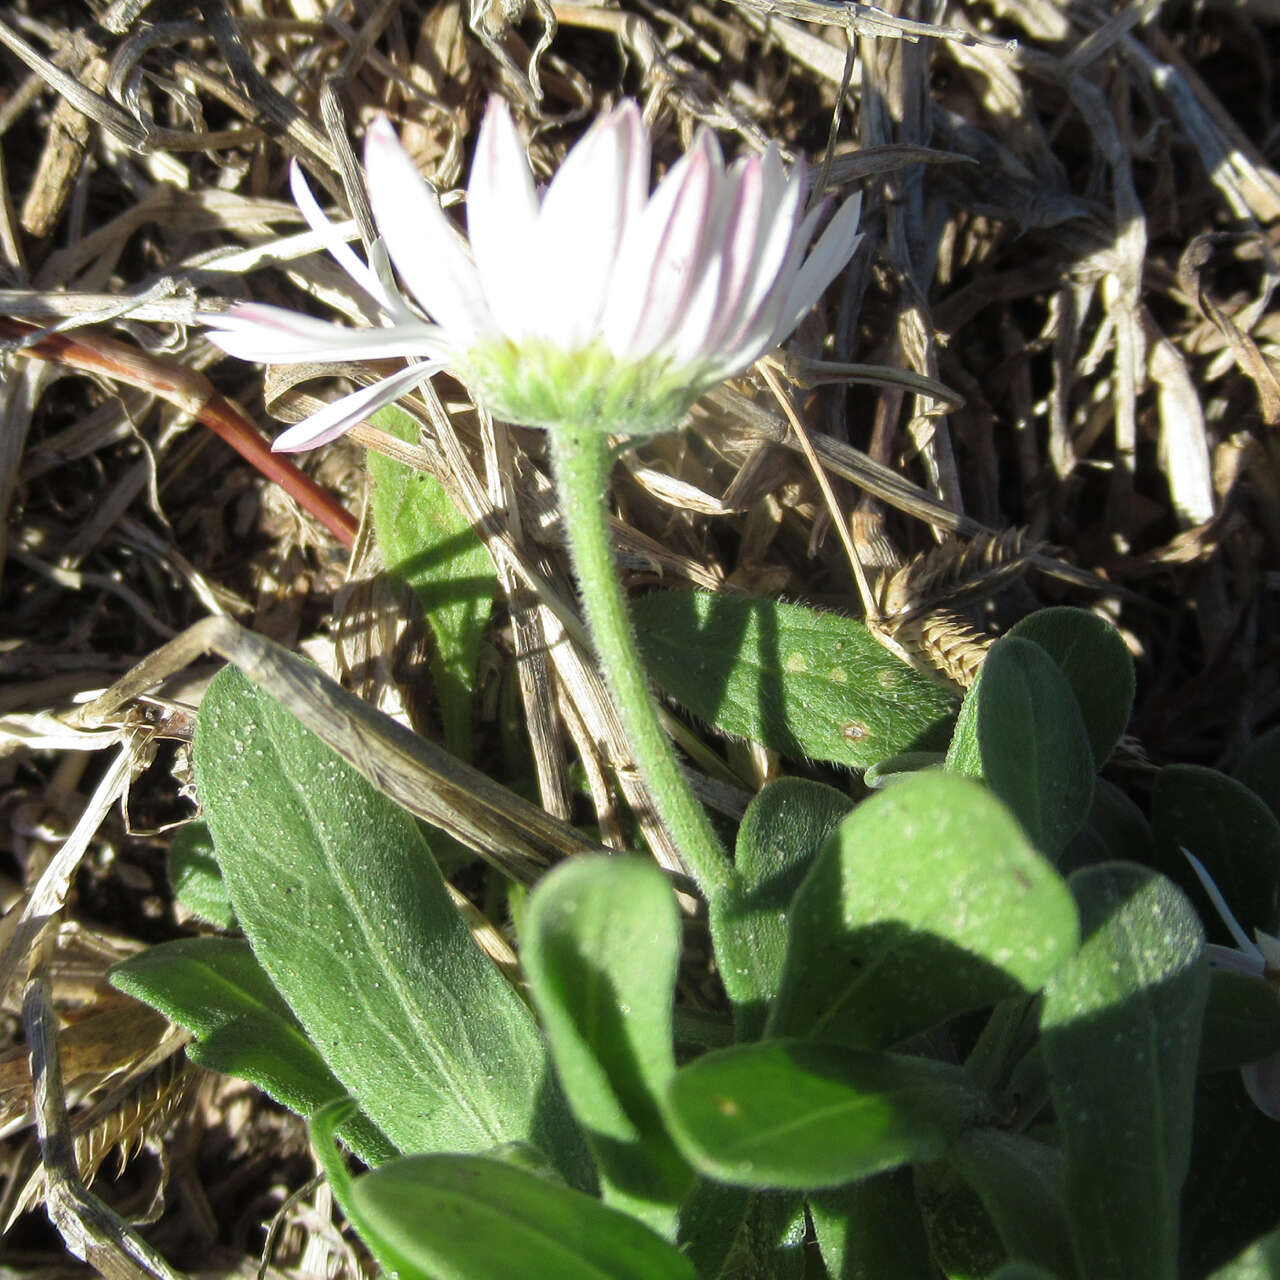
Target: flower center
x: 536, y: 384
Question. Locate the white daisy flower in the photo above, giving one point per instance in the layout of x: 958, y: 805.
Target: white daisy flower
x: 1256, y: 957
x: 593, y: 304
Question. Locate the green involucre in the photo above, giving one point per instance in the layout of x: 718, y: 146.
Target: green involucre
x: 538, y: 385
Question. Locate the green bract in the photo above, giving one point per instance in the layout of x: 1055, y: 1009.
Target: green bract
x: 590, y: 389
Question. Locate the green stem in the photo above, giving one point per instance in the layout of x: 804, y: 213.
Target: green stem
x: 582, y: 462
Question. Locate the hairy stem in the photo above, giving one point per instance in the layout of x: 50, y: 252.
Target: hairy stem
x: 582, y: 462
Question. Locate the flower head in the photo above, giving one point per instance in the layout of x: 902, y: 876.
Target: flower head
x: 592, y: 305
x: 1256, y: 957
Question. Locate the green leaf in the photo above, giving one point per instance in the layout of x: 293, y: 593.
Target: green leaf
x: 1020, y: 1183
x: 788, y: 1113
x: 962, y: 1238
x: 195, y: 877
x: 600, y: 945
x: 447, y: 1217
x: 1232, y: 832
x: 1260, y: 1261
x: 337, y: 891
x: 1241, y: 1021
x: 872, y: 1229
x: 1115, y: 831
x: 1229, y: 1198
x: 1021, y: 730
x: 729, y: 1233
x: 964, y: 753
x: 926, y: 903
x: 428, y: 543
x: 807, y: 684
x: 1097, y: 664
x: 1019, y: 1269
x: 1260, y: 769
x: 781, y: 833
x: 886, y: 772
x: 1121, y: 1028
x: 216, y: 990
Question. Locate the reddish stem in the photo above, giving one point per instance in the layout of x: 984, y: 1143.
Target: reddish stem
x: 193, y: 392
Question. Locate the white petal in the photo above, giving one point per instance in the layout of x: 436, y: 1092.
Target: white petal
x: 502, y: 214
x: 341, y: 251
x: 826, y: 260
x: 1234, y: 961
x: 766, y: 320
x: 429, y: 254
x: 660, y: 261
x: 1262, y: 1083
x: 781, y: 203
x: 1243, y: 941
x: 1270, y: 948
x: 380, y: 265
x: 585, y: 212
x: 339, y: 417
x: 272, y: 335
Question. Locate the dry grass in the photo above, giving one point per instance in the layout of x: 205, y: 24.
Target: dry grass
x: 1065, y: 390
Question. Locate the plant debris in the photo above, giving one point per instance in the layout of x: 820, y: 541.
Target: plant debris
x: 1050, y: 375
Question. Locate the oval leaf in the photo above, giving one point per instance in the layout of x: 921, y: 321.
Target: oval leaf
x: 1116, y: 830
x: 927, y: 902
x: 196, y: 877
x: 217, y: 990
x: 473, y: 1218
x: 1098, y: 667
x: 1232, y: 832
x: 1260, y: 1261
x: 787, y: 1113
x: 1241, y: 1022
x: 807, y: 684
x: 600, y: 945
x: 730, y: 1233
x: 780, y: 835
x: 873, y: 1228
x: 1121, y: 1028
x: 337, y: 891
x: 430, y: 544
x: 1260, y: 769
x: 1020, y: 1183
x: 962, y: 1237
x: 1021, y: 730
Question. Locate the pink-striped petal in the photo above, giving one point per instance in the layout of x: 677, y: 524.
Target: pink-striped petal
x: 339, y: 417
x: 429, y: 254
x: 690, y: 342
x: 740, y: 239
x: 776, y: 247
x: 659, y: 263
